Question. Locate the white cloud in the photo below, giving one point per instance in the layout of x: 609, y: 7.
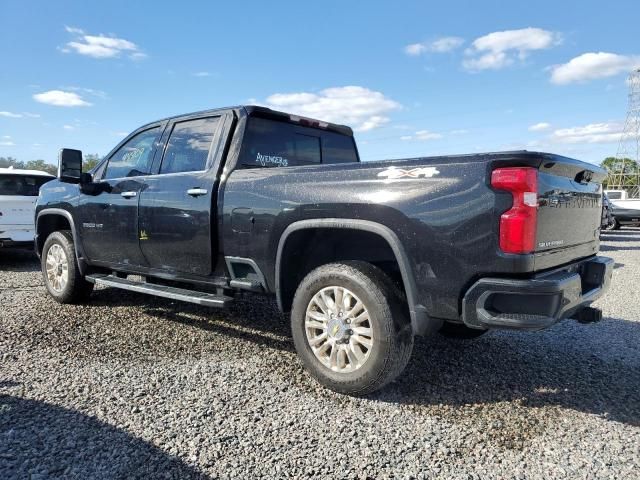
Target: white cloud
x: 415, y: 49
x: 88, y: 91
x: 499, y: 49
x: 6, y: 141
x: 460, y: 131
x: 359, y: 107
x: 68, y: 127
x: 422, y: 135
x: 19, y: 115
x: 539, y: 127
x: 61, y: 98
x: 440, y: 45
x: 101, y: 46
x: 592, y: 65
x: 372, y: 123
x: 592, y: 133
x: 202, y: 74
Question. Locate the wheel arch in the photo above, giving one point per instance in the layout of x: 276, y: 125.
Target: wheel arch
x: 50, y: 220
x: 420, y: 321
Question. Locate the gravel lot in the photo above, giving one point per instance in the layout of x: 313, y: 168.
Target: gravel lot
x: 137, y: 387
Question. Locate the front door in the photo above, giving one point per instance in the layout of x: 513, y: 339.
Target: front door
x: 177, y: 205
x: 109, y: 220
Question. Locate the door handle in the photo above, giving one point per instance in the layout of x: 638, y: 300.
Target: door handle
x: 196, y: 192
x: 129, y: 194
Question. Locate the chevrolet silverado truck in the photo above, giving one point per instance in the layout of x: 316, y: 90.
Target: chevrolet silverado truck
x: 363, y: 255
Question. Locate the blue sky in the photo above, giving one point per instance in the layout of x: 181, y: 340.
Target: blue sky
x: 413, y: 78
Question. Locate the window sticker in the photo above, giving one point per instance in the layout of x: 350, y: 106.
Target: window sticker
x: 271, y: 160
x: 133, y: 155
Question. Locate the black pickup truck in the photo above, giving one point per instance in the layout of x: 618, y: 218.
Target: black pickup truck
x: 364, y: 256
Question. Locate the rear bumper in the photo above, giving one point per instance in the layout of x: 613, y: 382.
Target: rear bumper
x: 538, y: 302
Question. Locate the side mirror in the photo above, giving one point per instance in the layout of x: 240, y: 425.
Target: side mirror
x: 70, y: 165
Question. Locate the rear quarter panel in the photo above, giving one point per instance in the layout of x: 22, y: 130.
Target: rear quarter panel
x: 445, y: 221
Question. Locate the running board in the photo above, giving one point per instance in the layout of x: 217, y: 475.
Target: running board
x: 173, y: 293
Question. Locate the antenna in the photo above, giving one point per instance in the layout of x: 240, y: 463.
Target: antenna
x: 625, y: 175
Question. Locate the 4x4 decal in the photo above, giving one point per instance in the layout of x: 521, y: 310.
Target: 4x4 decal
x: 395, y: 172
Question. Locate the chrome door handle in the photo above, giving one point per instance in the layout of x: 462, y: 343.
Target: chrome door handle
x: 129, y: 194
x: 196, y: 192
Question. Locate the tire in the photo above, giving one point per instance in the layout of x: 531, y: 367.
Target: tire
x: 459, y: 331
x: 65, y: 284
x: 355, y: 368
x: 616, y: 224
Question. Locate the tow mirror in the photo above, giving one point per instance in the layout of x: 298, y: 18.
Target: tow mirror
x: 70, y: 166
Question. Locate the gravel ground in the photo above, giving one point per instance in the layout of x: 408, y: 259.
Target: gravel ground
x: 137, y: 387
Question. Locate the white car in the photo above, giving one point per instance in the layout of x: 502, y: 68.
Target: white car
x: 18, y: 193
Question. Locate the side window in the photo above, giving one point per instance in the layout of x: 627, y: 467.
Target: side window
x: 24, y: 185
x: 134, y: 157
x: 188, y: 146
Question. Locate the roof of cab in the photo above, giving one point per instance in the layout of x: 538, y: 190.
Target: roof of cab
x: 264, y: 112
x: 20, y: 171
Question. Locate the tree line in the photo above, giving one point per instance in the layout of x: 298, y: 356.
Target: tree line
x: 89, y: 161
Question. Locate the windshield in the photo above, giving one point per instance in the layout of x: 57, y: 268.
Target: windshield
x: 22, y: 185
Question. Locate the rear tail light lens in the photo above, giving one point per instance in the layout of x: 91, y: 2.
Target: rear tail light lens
x: 518, y: 224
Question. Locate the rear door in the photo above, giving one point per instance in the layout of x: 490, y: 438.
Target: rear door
x: 178, y: 203
x: 109, y: 220
x: 18, y: 195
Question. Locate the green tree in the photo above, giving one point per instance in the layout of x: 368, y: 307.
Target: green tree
x: 90, y: 161
x: 626, y: 166
x: 42, y: 166
x: 6, y: 162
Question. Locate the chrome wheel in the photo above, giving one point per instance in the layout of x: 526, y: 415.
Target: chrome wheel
x: 57, y: 267
x: 339, y: 329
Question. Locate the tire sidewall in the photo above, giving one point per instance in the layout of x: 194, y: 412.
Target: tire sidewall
x: 58, y: 238
x: 380, y: 315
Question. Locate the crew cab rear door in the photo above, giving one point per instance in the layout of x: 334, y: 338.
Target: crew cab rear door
x: 177, y: 211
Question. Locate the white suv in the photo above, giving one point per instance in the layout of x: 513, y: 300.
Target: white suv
x: 18, y: 193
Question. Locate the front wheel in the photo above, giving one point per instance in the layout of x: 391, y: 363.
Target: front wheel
x: 349, y: 328
x: 60, y: 270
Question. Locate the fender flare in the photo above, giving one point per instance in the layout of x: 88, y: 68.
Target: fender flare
x: 80, y: 257
x: 421, y: 323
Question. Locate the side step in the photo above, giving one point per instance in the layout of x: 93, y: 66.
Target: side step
x: 173, y: 293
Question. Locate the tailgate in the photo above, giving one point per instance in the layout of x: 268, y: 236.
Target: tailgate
x: 569, y: 207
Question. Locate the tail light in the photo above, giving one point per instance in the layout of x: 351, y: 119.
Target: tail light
x: 518, y: 224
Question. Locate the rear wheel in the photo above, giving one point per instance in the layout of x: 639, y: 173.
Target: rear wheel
x: 460, y: 331
x: 349, y: 329
x: 616, y: 224
x: 60, y: 269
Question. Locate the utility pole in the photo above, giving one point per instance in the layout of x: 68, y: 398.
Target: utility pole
x: 626, y: 175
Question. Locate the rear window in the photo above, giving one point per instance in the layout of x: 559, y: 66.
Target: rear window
x: 23, y: 185
x: 269, y: 143
x: 614, y: 195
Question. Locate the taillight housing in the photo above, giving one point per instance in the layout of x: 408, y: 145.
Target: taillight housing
x: 518, y: 224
